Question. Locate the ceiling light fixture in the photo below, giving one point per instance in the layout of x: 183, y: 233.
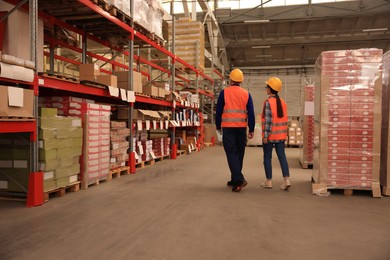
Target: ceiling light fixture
x: 257, y: 21
x: 261, y: 46
x: 375, y: 30
x: 264, y: 56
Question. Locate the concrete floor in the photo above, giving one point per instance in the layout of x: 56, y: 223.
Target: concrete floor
x: 181, y: 209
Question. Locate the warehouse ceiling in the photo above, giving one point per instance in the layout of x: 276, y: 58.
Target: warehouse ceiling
x: 294, y: 36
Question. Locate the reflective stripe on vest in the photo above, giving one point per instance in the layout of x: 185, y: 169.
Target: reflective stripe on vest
x: 278, y: 125
x: 235, y: 113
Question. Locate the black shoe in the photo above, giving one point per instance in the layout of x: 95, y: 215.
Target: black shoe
x: 229, y: 183
x: 239, y: 188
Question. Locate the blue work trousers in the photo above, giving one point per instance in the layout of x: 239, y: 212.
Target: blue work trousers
x: 267, y: 159
x: 234, y: 142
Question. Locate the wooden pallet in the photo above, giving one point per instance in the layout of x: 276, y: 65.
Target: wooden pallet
x: 117, y: 172
x: 376, y: 193
x: 61, y: 191
x: 114, y: 11
x: 181, y: 152
x: 86, y: 184
x: 306, y: 165
x: 15, y: 118
x: 93, y: 84
x: 322, y: 189
x: 102, y: 4
x: 59, y: 77
x: 161, y: 158
x: 141, y: 94
x: 208, y: 145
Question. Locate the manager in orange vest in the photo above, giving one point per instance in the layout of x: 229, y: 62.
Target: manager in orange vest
x: 274, y: 134
x: 234, y: 114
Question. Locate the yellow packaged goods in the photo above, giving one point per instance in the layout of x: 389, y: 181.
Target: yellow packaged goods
x: 47, y: 155
x: 16, y: 102
x: 59, y: 122
x: 47, y: 112
x: 49, y: 165
x: 49, y: 185
x: 68, y: 152
x: 70, y: 132
x: 65, y: 172
x: 66, y: 181
x: 47, y: 133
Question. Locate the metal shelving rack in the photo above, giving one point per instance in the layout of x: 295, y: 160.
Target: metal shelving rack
x: 111, y: 23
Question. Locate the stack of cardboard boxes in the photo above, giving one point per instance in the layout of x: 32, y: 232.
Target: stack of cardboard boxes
x: 348, y: 109
x: 14, y: 162
x: 91, y: 73
x: 60, y: 147
x: 307, y: 120
x: 96, y: 127
x: 189, y: 42
x: 295, y: 135
x: 119, y: 144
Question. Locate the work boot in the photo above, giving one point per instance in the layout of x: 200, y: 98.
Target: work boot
x: 229, y: 183
x: 239, y: 188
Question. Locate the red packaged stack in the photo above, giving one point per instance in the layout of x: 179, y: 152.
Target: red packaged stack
x: 348, y: 103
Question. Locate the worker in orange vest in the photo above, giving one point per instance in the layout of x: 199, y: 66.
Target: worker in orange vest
x: 234, y: 114
x: 274, y: 134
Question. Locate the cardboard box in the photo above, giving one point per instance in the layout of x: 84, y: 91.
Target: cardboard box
x: 109, y: 80
x: 151, y: 90
x: 16, y: 102
x: 89, y: 70
x: 91, y: 78
x: 17, y: 39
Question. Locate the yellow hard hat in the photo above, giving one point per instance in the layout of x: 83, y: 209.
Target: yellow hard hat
x: 275, y: 83
x: 236, y: 75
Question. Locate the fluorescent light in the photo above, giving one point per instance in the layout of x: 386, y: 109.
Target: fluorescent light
x: 375, y: 30
x: 263, y: 56
x: 257, y: 21
x: 261, y: 47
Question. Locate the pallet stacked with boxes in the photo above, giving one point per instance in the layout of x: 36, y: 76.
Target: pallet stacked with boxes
x: 60, y: 146
x: 307, y: 121
x: 96, y: 126
x: 348, y: 103
x: 189, y: 41
x: 385, y: 148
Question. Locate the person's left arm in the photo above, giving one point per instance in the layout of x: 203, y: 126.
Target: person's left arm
x: 251, y: 116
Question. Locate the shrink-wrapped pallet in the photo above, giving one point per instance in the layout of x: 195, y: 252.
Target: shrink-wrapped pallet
x: 348, y: 117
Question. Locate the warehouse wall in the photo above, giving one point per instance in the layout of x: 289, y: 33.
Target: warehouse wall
x: 291, y: 91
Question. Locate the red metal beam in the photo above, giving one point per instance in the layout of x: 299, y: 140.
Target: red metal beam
x: 17, y: 126
x: 218, y: 73
x: 153, y: 101
x: 46, y: 82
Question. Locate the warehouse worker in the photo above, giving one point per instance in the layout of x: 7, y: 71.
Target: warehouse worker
x: 274, y: 126
x: 234, y: 113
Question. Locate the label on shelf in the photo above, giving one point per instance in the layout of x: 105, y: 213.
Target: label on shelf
x: 114, y: 92
x: 123, y: 94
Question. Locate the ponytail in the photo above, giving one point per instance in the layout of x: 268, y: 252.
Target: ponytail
x: 278, y: 103
x: 279, y: 106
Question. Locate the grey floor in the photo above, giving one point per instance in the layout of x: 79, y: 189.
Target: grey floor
x: 181, y: 209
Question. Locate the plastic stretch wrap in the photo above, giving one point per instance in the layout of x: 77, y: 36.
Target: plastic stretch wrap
x: 347, y: 111
x: 385, y: 149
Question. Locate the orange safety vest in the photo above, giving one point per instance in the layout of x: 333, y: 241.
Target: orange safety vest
x: 278, y: 125
x: 234, y: 112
